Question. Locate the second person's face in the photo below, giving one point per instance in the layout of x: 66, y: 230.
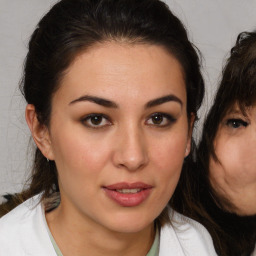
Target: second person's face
x: 234, y: 176
x: 119, y: 134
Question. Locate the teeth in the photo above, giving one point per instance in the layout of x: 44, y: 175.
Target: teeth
x: 129, y: 191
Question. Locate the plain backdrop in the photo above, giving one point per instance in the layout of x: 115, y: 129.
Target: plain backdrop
x: 213, y: 26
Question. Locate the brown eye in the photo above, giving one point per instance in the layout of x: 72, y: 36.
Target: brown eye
x: 160, y: 120
x: 157, y: 119
x: 96, y: 121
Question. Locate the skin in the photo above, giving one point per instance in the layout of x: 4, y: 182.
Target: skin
x: 234, y: 176
x: 126, y: 146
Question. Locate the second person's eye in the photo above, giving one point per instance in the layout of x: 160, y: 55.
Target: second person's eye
x: 160, y: 120
x: 236, y: 123
x: 96, y: 121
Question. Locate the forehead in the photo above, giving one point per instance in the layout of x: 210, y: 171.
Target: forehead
x: 134, y: 70
x: 238, y: 108
x: 233, y: 109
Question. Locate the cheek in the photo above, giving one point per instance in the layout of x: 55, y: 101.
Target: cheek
x: 225, y: 170
x: 79, y: 153
x: 167, y: 158
x: 238, y: 162
x: 79, y: 161
x: 168, y: 154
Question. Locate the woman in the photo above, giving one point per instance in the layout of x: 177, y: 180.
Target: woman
x: 232, y: 165
x: 232, y: 162
x: 113, y: 89
x: 226, y: 166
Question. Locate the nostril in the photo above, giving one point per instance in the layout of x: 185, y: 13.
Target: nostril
x: 130, y: 163
x: 131, y: 150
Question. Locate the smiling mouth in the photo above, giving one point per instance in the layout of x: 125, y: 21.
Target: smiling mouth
x: 129, y: 191
x: 128, y: 194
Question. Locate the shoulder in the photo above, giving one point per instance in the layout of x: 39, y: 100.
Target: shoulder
x: 23, y: 231
x: 184, y: 236
x: 22, y: 214
x: 22, y: 208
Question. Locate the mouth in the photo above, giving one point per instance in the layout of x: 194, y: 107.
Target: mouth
x: 129, y: 191
x: 128, y: 194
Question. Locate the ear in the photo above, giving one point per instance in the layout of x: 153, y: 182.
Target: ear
x: 190, y: 131
x: 40, y: 132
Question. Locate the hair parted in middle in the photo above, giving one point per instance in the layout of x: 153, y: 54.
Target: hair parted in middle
x: 74, y: 26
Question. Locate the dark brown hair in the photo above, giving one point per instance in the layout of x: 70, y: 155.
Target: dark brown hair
x: 72, y: 26
x: 238, y: 86
x: 232, y: 235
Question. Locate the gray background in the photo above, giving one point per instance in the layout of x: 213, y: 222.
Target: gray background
x: 212, y: 25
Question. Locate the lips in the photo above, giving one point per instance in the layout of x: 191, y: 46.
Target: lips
x: 128, y: 194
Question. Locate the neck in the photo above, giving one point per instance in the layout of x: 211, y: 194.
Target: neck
x: 76, y: 236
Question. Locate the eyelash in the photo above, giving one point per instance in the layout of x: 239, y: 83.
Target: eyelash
x: 87, y: 120
x: 169, y: 119
x: 235, y: 123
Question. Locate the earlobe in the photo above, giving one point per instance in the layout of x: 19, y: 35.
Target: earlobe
x: 40, y: 132
x: 187, y: 150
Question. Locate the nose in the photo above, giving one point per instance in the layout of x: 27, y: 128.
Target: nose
x: 131, y: 150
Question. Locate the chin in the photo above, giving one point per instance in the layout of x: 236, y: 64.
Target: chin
x: 130, y: 224
x: 244, y: 211
x: 240, y: 210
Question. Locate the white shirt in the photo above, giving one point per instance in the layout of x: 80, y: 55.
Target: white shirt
x: 23, y: 232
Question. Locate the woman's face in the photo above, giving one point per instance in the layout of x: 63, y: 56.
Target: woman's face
x: 234, y: 176
x: 118, y: 135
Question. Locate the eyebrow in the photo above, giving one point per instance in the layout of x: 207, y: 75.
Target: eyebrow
x: 110, y: 104
x: 233, y: 111
x: 97, y: 100
x: 237, y: 112
x: 163, y: 100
